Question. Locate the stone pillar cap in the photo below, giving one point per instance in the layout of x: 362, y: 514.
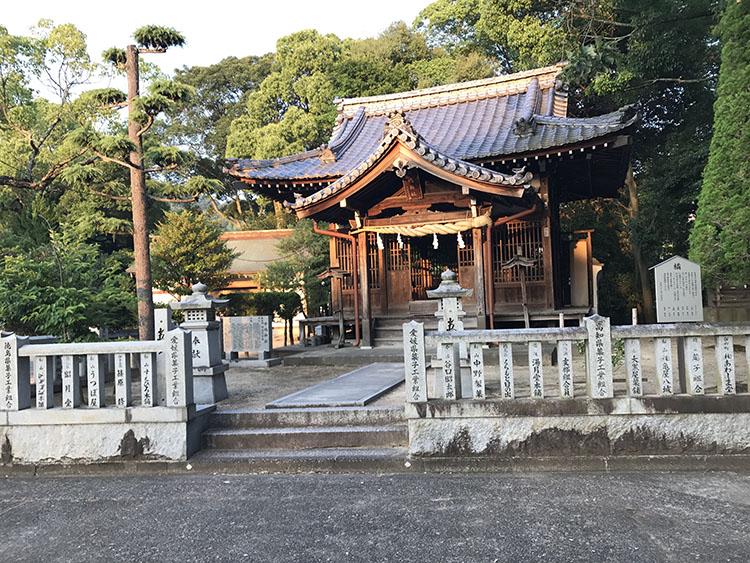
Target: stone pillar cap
x: 198, y: 300
x: 448, y: 287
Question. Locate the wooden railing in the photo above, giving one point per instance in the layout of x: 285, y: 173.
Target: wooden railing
x: 598, y: 339
x: 18, y: 354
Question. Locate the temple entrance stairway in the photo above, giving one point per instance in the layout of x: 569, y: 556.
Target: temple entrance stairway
x: 388, y: 331
x: 310, y: 439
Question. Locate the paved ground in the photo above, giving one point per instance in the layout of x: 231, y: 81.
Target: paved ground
x: 252, y: 388
x: 643, y: 517
x: 356, y: 388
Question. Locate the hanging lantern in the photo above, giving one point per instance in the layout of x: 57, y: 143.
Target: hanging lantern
x: 399, y: 241
x: 434, y: 241
x: 381, y: 246
x: 461, y: 243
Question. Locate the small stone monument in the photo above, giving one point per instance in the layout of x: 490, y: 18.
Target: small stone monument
x: 450, y: 312
x: 679, y: 298
x: 678, y: 291
x: 249, y: 335
x: 209, y: 385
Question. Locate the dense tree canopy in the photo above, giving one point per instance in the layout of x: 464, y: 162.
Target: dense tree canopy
x: 720, y: 240
x: 657, y: 54
x: 66, y: 158
x: 186, y: 250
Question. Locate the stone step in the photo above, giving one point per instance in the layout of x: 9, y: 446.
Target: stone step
x: 307, y: 417
x: 335, y: 460
x: 305, y: 438
x: 396, y: 324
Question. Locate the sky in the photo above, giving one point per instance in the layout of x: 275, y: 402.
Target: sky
x: 214, y: 30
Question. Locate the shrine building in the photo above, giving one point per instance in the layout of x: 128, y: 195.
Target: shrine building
x: 465, y: 176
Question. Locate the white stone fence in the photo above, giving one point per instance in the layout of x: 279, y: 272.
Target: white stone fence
x: 598, y: 337
x: 18, y: 354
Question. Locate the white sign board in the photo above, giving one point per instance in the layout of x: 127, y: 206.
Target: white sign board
x: 678, y: 291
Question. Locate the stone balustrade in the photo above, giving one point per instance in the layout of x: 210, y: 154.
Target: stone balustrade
x: 19, y: 354
x: 107, y: 422
x: 598, y: 337
x: 664, y: 399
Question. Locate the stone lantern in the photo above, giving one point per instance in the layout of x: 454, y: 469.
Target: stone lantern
x: 449, y: 314
x: 209, y: 385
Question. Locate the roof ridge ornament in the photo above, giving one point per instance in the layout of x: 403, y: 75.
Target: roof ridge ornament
x: 397, y: 120
x: 327, y: 156
x: 525, y: 127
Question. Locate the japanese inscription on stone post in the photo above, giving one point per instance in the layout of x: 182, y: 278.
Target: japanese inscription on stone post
x: 565, y: 366
x: 633, y: 367
x: 414, y: 362
x: 476, y: 364
x: 599, y: 357
x: 149, y: 387
x: 70, y: 384
x: 725, y: 363
x: 663, y: 357
x: 505, y: 352
x: 535, y: 370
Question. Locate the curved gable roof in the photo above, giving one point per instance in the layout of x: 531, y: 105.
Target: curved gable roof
x: 482, y: 119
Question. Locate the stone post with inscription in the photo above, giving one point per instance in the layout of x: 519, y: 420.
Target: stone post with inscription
x: 450, y: 312
x: 179, y: 386
x: 414, y: 362
x: 599, y: 357
x: 14, y: 375
x: 162, y: 325
x: 209, y: 385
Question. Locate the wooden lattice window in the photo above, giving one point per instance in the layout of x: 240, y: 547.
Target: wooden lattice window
x: 373, y: 262
x: 508, y: 239
x: 466, y: 254
x: 345, y: 260
x: 398, y: 258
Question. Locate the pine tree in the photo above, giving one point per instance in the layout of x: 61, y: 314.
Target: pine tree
x: 720, y: 238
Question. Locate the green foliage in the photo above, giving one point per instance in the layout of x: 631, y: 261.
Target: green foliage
x: 158, y: 38
x: 63, y: 287
x: 115, y: 56
x: 293, y: 110
x: 513, y: 34
x: 305, y: 254
x: 104, y: 97
x: 187, y: 250
x: 720, y: 238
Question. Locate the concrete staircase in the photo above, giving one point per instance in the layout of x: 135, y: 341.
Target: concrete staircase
x: 306, y: 439
x: 388, y: 331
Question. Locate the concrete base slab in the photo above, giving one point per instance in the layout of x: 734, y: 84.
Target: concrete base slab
x: 356, y: 388
x: 87, y: 435
x: 203, y: 371
x: 255, y: 363
x: 209, y: 390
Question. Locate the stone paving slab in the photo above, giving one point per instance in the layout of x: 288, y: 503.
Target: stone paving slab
x: 353, y: 389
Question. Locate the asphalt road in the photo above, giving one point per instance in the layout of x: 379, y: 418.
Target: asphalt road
x: 549, y: 517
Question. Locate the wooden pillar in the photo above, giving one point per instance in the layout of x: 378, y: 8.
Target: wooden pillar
x: 489, y: 277
x: 479, y: 283
x: 337, y: 296
x: 549, y: 283
x: 364, y: 281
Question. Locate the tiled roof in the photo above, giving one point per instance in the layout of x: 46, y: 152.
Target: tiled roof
x: 483, y: 119
x: 398, y: 127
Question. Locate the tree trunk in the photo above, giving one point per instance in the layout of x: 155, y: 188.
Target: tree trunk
x: 647, y: 297
x: 143, y: 281
x: 278, y: 210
